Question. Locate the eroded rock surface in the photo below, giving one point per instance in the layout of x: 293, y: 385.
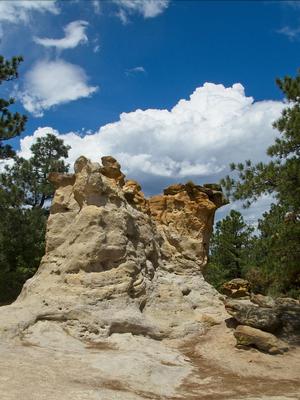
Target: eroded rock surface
x: 184, y: 217
x: 117, y: 262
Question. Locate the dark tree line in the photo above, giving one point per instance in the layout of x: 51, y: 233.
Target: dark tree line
x: 24, y: 194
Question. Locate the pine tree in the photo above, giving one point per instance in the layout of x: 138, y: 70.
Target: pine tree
x: 229, y: 249
x: 24, y: 191
x: 11, y: 124
x: 26, y: 181
x: 281, y: 176
x: 280, y: 227
x: 22, y: 245
x: 278, y: 253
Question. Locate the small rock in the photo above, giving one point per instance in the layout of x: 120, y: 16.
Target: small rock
x: 186, y: 290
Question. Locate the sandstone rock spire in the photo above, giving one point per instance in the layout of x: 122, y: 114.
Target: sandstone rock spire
x: 118, y: 262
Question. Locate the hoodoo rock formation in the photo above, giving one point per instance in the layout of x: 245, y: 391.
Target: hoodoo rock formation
x: 117, y: 262
x: 118, y: 306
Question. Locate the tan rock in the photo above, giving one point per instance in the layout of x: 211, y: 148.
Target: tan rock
x: 248, y: 336
x: 236, y: 288
x: 184, y: 215
x: 134, y: 195
x: 112, y: 258
x: 112, y: 169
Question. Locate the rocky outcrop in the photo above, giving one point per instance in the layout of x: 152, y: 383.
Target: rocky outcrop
x: 117, y: 262
x: 289, y: 314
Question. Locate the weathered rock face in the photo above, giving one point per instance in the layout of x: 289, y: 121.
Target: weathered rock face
x: 184, y: 216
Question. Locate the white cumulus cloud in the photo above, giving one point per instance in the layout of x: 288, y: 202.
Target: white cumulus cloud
x: 52, y: 83
x: 74, y: 35
x: 15, y: 11
x: 196, y: 139
x: 146, y: 8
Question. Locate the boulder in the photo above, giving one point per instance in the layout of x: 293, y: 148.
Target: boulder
x: 267, y: 319
x: 135, y: 197
x: 286, y: 301
x: 248, y: 336
x: 236, y: 288
x: 287, y: 309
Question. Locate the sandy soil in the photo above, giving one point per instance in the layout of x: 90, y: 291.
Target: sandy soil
x: 221, y: 371
x: 199, y: 368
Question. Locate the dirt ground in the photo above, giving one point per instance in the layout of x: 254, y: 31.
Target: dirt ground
x: 134, y: 368
x: 221, y: 371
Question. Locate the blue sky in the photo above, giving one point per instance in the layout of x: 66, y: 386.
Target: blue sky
x: 87, y: 62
